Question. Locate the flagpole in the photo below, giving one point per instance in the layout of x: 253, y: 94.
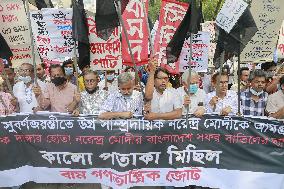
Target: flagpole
x: 75, y: 61
x: 152, y: 53
x: 189, y: 74
x: 239, y: 78
x: 222, y: 58
x: 117, y: 4
x: 32, y: 39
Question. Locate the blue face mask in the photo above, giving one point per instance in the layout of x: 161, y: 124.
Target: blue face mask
x: 110, y: 77
x: 68, y: 71
x: 25, y: 79
x: 193, y: 88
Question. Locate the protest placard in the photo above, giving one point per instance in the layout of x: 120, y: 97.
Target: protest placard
x: 200, y: 49
x: 268, y: 16
x: 230, y: 13
x: 280, y: 46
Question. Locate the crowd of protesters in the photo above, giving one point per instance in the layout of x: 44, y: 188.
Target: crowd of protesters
x: 159, y: 96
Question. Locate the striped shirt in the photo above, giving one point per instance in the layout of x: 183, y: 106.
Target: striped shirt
x: 251, y: 107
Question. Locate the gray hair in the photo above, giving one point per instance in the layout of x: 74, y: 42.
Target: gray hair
x: 256, y: 73
x: 124, y: 78
x: 185, y: 75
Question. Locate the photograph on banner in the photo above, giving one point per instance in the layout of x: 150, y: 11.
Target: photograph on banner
x: 280, y: 46
x: 268, y: 16
x: 200, y: 50
x: 230, y: 13
x: 137, y: 29
x: 210, y: 26
x: 105, y: 54
x: 171, y: 15
x: 14, y: 28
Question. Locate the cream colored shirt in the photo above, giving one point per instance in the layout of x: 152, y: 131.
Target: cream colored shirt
x: 275, y: 102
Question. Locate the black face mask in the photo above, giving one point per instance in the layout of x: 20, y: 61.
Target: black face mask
x: 91, y: 91
x: 57, y: 81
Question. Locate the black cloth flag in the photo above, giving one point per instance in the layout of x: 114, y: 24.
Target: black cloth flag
x: 41, y: 3
x: 190, y: 24
x: 80, y: 32
x: 106, y: 17
x: 234, y: 42
x: 5, y: 51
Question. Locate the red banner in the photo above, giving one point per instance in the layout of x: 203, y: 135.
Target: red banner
x: 171, y: 15
x: 136, y: 26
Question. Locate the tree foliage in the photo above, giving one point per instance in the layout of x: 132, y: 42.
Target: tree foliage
x: 209, y: 8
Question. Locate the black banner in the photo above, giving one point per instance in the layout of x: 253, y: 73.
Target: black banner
x: 114, y: 152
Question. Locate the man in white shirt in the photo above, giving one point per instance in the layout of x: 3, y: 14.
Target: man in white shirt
x: 165, y: 102
x: 192, y: 97
x: 23, y: 90
x: 221, y: 101
x: 124, y: 103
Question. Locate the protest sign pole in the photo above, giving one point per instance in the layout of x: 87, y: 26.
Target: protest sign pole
x: 75, y: 62
x: 117, y: 4
x: 32, y: 39
x: 189, y: 73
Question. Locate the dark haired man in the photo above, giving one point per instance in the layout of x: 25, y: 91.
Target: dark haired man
x: 163, y: 103
x: 244, y: 84
x: 40, y: 72
x: 254, y: 99
x: 221, y: 101
x: 60, y: 95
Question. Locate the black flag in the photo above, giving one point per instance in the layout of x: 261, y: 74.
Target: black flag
x: 41, y: 3
x: 80, y: 32
x: 106, y: 17
x: 5, y: 51
x: 190, y: 24
x: 234, y: 42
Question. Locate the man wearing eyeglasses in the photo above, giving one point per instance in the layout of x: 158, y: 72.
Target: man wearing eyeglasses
x: 221, y: 101
x: 162, y: 102
x: 92, y: 98
x: 254, y: 99
x: 23, y: 90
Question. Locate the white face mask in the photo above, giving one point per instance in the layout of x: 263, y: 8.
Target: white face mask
x: 254, y: 92
x: 25, y: 79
